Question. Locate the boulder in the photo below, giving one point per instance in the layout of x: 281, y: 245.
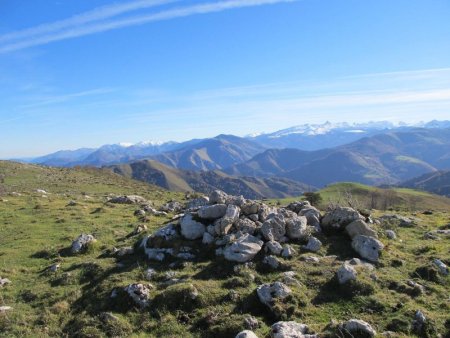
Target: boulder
x: 246, y: 334
x: 274, y: 228
x: 212, y: 211
x: 246, y: 226
x: 273, y: 247
x: 207, y: 238
x: 268, y: 293
x: 358, y: 328
x: 390, y: 234
x: 243, y: 249
x: 224, y: 224
x: 313, y: 244
x: 81, y: 243
x: 218, y: 197
x: 172, y: 206
x: 250, y: 208
x: 198, y: 202
x: 346, y: 273
x: 264, y: 212
x: 359, y: 227
x: 312, y: 215
x: 296, y: 227
x: 367, y: 247
x: 191, y: 229
x: 139, y: 293
x: 4, y: 281
x: 251, y: 323
x: 128, y: 199
x: 339, y: 217
x: 272, y: 261
x: 443, y: 269
x: 288, y: 251
x: 290, y: 330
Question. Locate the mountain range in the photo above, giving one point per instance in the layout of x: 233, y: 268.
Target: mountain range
x: 437, y: 182
x: 173, y: 179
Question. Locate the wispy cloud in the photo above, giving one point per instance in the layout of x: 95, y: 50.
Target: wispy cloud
x: 101, y: 20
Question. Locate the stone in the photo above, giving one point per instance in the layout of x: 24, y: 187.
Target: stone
x: 150, y: 274
x: 272, y: 261
x: 367, y: 247
x: 346, y: 273
x: 360, y: 263
x: 243, y: 249
x: 172, y: 206
x: 274, y: 228
x: 402, y: 221
x: 246, y: 334
x: 140, y: 228
x: 139, y: 213
x: 288, y: 251
x: 250, y: 208
x: 251, y: 323
x: 268, y: 293
x: 139, y: 293
x: 339, y: 217
x: 218, y: 197
x: 246, y: 226
x: 443, y: 269
x: 224, y: 224
x: 191, y: 229
x: 359, y: 227
x: 4, y: 282
x: 207, y: 238
x: 264, y: 212
x: 198, y: 202
x: 355, y: 326
x: 212, y: 211
x: 313, y: 244
x: 273, y: 247
x: 4, y: 309
x: 236, y: 200
x: 54, y: 267
x: 390, y: 234
x: 296, y: 227
x: 128, y: 199
x: 253, y: 217
x: 81, y: 243
x: 124, y: 251
x: 419, y: 321
x: 289, y: 278
x: 290, y: 330
x: 310, y: 259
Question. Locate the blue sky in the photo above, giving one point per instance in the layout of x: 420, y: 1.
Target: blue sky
x: 90, y: 72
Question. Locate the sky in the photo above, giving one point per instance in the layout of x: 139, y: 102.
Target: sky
x: 91, y: 72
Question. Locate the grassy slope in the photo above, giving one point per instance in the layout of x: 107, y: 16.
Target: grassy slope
x: 43, y: 307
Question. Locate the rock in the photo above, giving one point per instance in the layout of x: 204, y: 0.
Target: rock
x: 310, y: 259
x: 224, y: 224
x: 268, y: 293
x: 236, y: 200
x: 443, y: 269
x: 273, y: 247
x: 274, y: 228
x: 253, y: 217
x: 246, y: 226
x: 198, y: 202
x: 140, y: 228
x: 139, y: 213
x: 140, y: 294
x: 167, y: 233
x: 128, y: 199
x: 54, y: 267
x: 339, y: 217
x: 4, y: 282
x: 272, y: 261
x: 419, y: 321
x: 250, y: 208
x: 290, y: 330
x: 41, y: 191
x: 172, y: 206
x: 158, y: 254
x: 246, y: 334
x: 312, y: 215
x: 4, y: 309
x: 218, y: 197
x: 367, y: 247
x: 296, y: 227
x: 346, y: 273
x: 288, y: 251
x: 150, y: 274
x: 71, y: 204
x: 81, y: 243
x: 289, y: 278
x: 251, y: 323
x: 124, y: 251
x: 191, y: 229
x: 359, y: 227
x: 360, y: 263
x: 212, y: 211
x: 244, y: 249
x: 108, y: 317
x: 400, y: 220
x: 390, y: 234
x: 313, y: 245
x: 207, y: 238
x: 264, y: 212
x: 356, y: 326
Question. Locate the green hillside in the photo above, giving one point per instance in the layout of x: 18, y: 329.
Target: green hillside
x: 37, y: 228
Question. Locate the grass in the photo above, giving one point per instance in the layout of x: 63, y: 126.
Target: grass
x: 35, y: 230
